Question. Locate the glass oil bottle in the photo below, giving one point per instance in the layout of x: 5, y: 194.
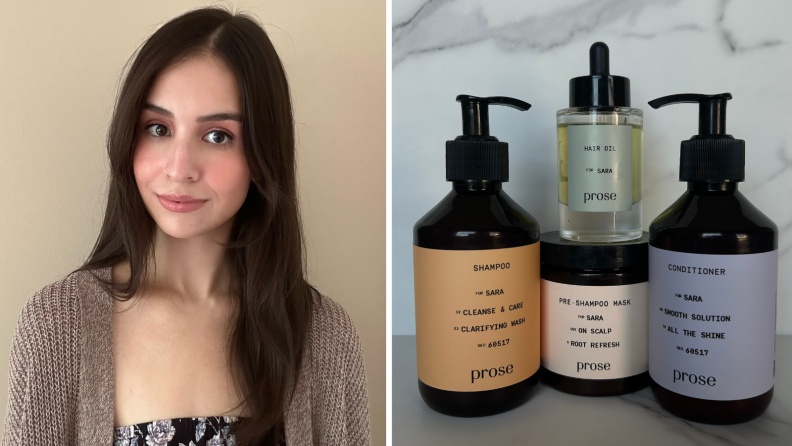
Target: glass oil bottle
x: 600, y: 157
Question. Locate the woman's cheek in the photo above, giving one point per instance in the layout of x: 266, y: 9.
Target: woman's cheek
x: 229, y: 176
x: 145, y: 163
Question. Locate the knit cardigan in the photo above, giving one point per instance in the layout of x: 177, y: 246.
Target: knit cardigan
x: 61, y: 375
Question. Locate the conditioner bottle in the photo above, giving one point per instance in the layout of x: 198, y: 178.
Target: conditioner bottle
x: 476, y: 261
x: 713, y: 271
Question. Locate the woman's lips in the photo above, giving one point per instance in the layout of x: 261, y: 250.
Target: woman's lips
x: 180, y: 207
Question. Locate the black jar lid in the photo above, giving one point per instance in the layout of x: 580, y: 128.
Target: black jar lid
x: 560, y: 252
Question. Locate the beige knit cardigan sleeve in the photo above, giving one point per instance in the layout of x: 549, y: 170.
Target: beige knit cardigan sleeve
x: 43, y: 380
x: 332, y: 385
x: 61, y: 377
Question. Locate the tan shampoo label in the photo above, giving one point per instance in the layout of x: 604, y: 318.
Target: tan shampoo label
x: 477, y: 317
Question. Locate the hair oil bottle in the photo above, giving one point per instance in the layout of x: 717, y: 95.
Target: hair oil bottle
x: 600, y: 157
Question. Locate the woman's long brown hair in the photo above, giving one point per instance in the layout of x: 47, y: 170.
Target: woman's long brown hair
x: 265, y: 252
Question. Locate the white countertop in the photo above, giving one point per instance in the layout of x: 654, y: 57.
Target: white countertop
x: 551, y: 417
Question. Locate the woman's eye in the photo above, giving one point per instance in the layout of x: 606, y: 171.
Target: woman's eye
x: 215, y: 136
x: 218, y: 137
x: 157, y: 130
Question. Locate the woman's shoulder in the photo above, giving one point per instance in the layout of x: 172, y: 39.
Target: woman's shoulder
x: 335, y: 344
x: 53, y: 302
x: 331, y: 322
x: 52, y: 313
x: 338, y: 387
x: 45, y: 333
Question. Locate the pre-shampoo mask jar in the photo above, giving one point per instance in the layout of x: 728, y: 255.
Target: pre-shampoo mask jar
x: 594, y: 304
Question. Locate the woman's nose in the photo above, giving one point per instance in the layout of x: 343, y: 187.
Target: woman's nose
x: 182, y: 159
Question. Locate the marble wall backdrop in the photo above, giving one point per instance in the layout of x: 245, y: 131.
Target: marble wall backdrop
x: 530, y: 50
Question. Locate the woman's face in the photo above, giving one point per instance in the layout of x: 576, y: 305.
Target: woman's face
x: 190, y: 143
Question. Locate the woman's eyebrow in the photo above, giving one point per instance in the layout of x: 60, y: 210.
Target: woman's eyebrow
x: 221, y: 116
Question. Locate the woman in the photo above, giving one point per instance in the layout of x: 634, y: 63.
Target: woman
x: 192, y: 322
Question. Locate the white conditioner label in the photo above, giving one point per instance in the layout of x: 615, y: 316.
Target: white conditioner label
x: 594, y: 332
x: 712, y: 321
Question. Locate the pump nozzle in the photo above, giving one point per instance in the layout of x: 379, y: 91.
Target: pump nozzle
x: 475, y: 155
x: 712, y: 155
x: 475, y: 114
x: 712, y: 111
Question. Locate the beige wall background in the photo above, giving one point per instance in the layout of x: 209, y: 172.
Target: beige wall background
x: 60, y: 64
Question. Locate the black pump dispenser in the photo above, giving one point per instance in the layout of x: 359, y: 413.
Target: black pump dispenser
x: 599, y: 88
x: 712, y: 155
x: 475, y: 155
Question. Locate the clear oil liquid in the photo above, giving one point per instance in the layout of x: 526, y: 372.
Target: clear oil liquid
x: 601, y: 227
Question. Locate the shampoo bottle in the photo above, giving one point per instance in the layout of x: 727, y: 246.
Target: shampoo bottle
x: 476, y: 264
x: 713, y: 271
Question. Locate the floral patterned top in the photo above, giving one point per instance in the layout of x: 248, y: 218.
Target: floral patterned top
x: 200, y: 431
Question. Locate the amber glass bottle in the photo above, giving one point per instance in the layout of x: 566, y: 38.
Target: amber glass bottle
x: 713, y: 271
x: 476, y: 260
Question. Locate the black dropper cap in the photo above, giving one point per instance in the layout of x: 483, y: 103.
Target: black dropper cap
x: 712, y: 155
x: 599, y: 88
x: 475, y: 155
